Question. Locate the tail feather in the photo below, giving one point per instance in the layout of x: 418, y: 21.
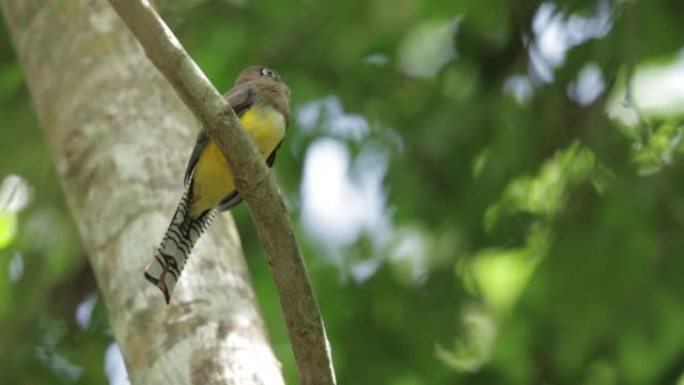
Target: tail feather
x: 165, y: 267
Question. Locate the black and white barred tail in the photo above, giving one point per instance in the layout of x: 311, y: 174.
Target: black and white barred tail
x: 167, y: 264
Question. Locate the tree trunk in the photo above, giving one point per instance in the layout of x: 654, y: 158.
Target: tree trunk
x: 120, y: 138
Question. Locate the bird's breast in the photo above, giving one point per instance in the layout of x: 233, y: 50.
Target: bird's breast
x: 266, y: 125
x: 213, y: 179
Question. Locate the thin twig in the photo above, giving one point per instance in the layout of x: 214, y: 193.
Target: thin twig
x: 253, y: 181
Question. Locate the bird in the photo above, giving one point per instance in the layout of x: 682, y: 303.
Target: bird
x: 261, y: 100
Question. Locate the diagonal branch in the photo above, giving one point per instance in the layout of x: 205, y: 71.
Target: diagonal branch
x: 253, y: 181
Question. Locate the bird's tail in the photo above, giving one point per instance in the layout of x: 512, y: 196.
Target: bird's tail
x: 165, y: 267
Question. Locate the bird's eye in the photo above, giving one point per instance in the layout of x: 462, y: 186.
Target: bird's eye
x: 269, y: 72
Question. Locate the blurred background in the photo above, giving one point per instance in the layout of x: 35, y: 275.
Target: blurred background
x: 486, y: 192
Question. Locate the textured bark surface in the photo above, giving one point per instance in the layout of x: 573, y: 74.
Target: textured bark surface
x: 261, y: 193
x: 120, y: 138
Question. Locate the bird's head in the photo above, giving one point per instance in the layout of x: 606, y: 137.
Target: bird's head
x: 257, y: 73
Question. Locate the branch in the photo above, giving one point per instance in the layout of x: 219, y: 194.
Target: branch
x: 252, y: 180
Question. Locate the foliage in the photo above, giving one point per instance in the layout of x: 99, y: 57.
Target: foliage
x: 486, y: 192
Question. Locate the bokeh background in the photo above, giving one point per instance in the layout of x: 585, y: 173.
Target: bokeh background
x: 486, y: 192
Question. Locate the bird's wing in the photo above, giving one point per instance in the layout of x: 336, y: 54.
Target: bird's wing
x: 200, y: 144
x: 271, y: 158
x: 240, y: 98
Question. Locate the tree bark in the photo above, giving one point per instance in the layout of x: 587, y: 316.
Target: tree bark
x: 254, y: 183
x: 120, y: 137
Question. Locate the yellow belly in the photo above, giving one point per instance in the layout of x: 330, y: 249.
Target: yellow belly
x: 213, y: 179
